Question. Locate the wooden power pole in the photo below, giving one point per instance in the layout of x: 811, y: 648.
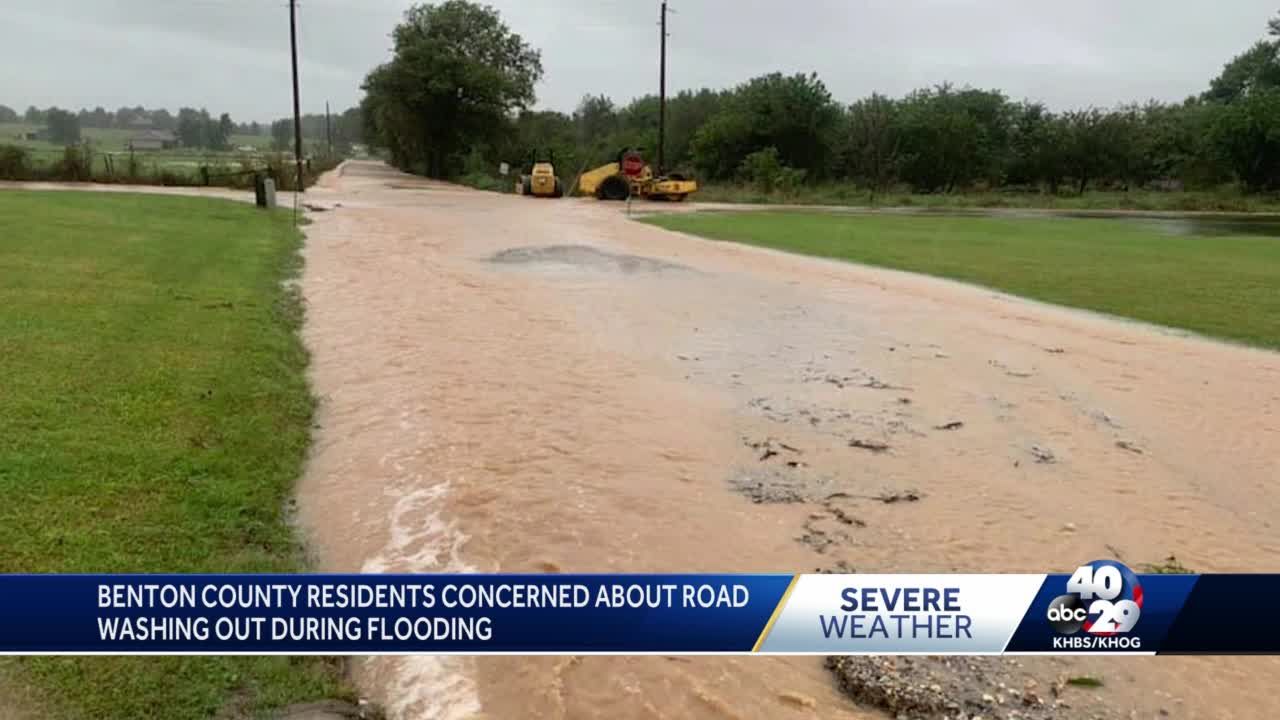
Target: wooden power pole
x: 662, y: 95
x: 297, y: 102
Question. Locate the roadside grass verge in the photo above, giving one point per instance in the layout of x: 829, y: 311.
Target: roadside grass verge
x: 153, y: 418
x: 1227, y: 199
x: 1223, y: 286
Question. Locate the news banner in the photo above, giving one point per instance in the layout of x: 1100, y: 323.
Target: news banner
x: 1102, y: 607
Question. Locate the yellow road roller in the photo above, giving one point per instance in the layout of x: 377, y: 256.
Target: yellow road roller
x: 541, y: 181
x: 632, y: 177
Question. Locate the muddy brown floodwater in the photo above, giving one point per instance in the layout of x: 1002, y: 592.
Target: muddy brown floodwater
x: 535, y: 386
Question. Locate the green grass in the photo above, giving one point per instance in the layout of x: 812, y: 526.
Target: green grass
x: 154, y: 417
x: 1227, y: 199
x: 1220, y: 286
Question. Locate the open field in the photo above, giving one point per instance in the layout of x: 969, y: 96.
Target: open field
x: 1217, y: 285
x: 107, y: 139
x: 111, y: 154
x: 154, y: 417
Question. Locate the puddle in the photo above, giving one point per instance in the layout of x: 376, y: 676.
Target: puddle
x: 583, y: 256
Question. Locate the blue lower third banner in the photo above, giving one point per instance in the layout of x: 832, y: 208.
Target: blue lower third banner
x: 1103, y: 607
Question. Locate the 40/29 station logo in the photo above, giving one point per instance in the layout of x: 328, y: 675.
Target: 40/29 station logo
x: 1102, y: 605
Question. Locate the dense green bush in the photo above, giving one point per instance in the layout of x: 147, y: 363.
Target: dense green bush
x: 15, y: 163
x: 765, y: 171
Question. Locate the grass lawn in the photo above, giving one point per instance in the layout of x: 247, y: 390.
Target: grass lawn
x: 1221, y: 286
x: 1226, y: 199
x: 154, y: 415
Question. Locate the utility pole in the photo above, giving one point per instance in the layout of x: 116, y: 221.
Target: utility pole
x: 328, y: 127
x: 662, y: 96
x: 297, y: 102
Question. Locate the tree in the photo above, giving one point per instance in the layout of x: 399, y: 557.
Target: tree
x: 456, y: 77
x: 8, y: 114
x: 544, y: 131
x: 219, y: 133
x: 1037, y: 148
x: 686, y: 113
x: 953, y: 138
x: 1085, y: 146
x: 873, y: 141
x: 282, y: 135
x: 722, y: 143
x: 350, y: 129
x: 161, y: 119
x: 99, y: 118
x: 64, y: 127
x: 596, y: 120
x: 1247, y: 134
x: 191, y: 127
x: 794, y: 114
x: 1126, y: 146
x: 34, y: 116
x: 1256, y: 68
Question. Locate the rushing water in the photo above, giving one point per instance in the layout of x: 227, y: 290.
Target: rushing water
x: 533, y: 386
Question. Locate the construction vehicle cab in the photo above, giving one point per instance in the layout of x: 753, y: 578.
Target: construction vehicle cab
x: 631, y: 177
x: 541, y: 180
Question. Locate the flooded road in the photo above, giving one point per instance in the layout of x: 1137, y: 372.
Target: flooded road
x: 513, y: 385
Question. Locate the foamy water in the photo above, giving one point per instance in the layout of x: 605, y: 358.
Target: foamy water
x: 423, y: 541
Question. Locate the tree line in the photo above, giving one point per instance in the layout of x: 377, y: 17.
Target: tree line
x: 194, y: 128
x: 345, y: 129
x: 456, y: 98
x: 124, y: 118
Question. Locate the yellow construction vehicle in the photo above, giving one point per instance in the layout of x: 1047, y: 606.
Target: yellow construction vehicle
x: 541, y: 181
x: 632, y: 177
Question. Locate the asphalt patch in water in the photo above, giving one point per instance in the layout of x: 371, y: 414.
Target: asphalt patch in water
x: 585, y: 257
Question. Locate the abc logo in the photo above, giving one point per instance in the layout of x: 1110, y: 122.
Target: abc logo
x: 1067, y: 614
x: 1103, y: 598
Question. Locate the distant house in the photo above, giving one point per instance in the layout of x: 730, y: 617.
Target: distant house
x: 153, y: 140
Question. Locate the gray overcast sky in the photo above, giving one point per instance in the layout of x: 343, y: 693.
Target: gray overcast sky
x: 232, y: 55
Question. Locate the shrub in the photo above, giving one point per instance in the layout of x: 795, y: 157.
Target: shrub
x: 761, y: 168
x: 76, y: 164
x: 764, y: 170
x: 789, y: 180
x: 15, y: 163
